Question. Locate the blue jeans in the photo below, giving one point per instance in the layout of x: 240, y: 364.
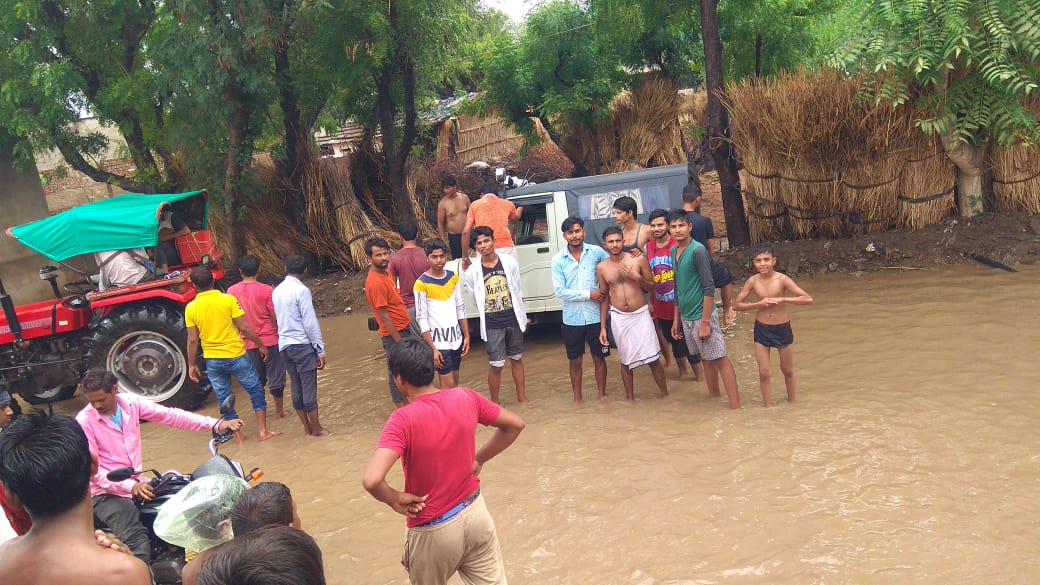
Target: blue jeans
x: 220, y: 370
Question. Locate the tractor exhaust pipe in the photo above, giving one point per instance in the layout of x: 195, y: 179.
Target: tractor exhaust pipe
x: 9, y: 314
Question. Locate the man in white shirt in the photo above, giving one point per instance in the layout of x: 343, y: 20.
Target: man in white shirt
x: 123, y: 267
x: 300, y: 343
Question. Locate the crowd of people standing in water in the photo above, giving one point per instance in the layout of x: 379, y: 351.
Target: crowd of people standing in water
x: 645, y: 290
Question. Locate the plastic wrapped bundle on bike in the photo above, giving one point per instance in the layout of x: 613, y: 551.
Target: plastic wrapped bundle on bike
x: 199, y: 516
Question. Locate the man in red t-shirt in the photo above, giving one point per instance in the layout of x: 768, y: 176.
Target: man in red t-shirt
x: 449, y: 527
x: 387, y: 306
x: 662, y: 307
x: 408, y: 263
x: 255, y: 298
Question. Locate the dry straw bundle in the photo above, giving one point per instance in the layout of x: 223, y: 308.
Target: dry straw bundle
x: 1016, y: 173
x: 751, y: 105
x: 880, y: 138
x: 927, y: 185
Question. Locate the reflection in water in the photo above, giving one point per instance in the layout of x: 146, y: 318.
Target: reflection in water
x: 911, y: 456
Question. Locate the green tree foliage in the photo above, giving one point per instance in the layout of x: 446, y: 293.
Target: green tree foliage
x: 392, y: 58
x: 763, y: 37
x: 557, y: 69
x: 967, y: 66
x: 61, y: 58
x: 660, y: 35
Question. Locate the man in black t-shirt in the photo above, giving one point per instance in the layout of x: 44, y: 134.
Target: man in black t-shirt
x: 702, y: 230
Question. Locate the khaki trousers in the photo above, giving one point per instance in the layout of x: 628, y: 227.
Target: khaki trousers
x: 466, y: 544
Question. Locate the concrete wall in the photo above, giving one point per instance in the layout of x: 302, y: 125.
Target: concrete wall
x: 22, y: 200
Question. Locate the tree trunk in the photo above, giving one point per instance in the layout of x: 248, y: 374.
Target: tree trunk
x: 718, y: 128
x: 971, y: 176
x: 299, y: 141
x: 237, y: 119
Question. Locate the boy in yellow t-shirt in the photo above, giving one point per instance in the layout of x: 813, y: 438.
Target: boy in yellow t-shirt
x: 216, y: 319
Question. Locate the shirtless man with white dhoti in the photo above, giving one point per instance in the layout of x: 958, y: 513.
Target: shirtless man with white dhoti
x: 624, y: 280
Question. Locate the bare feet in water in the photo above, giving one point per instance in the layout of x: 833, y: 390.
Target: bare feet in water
x: 268, y: 435
x: 321, y: 433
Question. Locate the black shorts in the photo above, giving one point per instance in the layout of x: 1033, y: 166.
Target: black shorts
x: 455, y: 245
x: 720, y: 274
x: 679, y: 349
x: 575, y: 337
x: 451, y: 361
x: 778, y: 336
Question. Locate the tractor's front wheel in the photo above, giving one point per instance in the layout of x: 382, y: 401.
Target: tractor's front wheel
x: 145, y: 346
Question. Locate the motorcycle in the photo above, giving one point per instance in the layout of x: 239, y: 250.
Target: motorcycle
x: 168, y: 559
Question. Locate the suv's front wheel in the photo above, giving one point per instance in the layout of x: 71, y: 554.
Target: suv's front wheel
x: 145, y: 346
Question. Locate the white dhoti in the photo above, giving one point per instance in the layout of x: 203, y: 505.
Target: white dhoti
x: 635, y: 336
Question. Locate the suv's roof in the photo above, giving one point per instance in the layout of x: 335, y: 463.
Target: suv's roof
x: 599, y: 180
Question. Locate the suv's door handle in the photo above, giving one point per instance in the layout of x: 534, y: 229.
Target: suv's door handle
x: 542, y: 250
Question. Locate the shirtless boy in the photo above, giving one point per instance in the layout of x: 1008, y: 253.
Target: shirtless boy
x: 635, y: 234
x: 451, y: 215
x: 46, y: 466
x: 624, y: 280
x: 772, y: 325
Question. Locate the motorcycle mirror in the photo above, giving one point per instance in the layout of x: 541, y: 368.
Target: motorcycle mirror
x: 227, y: 405
x: 121, y: 474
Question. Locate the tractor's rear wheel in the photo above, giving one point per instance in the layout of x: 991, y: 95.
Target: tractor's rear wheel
x: 145, y: 346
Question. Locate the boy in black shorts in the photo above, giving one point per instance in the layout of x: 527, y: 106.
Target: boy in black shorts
x: 772, y: 324
x: 440, y: 312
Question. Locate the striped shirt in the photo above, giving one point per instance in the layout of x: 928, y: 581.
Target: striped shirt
x: 439, y: 306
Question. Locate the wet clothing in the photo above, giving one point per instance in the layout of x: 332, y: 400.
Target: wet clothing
x: 778, y: 336
x: 407, y: 264
x: 635, y: 336
x: 271, y: 372
x: 301, y: 363
x: 502, y: 342
x: 451, y: 361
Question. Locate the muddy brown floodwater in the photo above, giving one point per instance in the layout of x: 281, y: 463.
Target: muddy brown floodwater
x: 911, y: 456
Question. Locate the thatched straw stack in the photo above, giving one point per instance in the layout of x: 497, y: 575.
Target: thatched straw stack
x: 750, y: 109
x: 1016, y: 178
x: 639, y: 131
x: 926, y: 185
x: 881, y: 136
x: 1016, y: 173
x: 348, y: 215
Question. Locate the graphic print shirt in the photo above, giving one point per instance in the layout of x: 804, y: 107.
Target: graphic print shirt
x: 498, y: 303
x: 660, y: 259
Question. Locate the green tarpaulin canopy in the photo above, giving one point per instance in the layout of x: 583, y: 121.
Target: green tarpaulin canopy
x: 119, y: 223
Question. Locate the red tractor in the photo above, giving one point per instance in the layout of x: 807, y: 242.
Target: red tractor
x: 135, y: 331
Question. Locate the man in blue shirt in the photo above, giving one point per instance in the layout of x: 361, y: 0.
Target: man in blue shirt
x: 300, y: 343
x: 575, y: 283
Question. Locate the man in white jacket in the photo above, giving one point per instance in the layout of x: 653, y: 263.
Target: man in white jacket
x: 495, y: 286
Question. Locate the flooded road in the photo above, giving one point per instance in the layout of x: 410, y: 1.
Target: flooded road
x: 911, y: 456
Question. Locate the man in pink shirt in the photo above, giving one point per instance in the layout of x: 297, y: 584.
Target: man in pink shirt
x: 255, y: 298
x: 449, y: 527
x: 112, y: 424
